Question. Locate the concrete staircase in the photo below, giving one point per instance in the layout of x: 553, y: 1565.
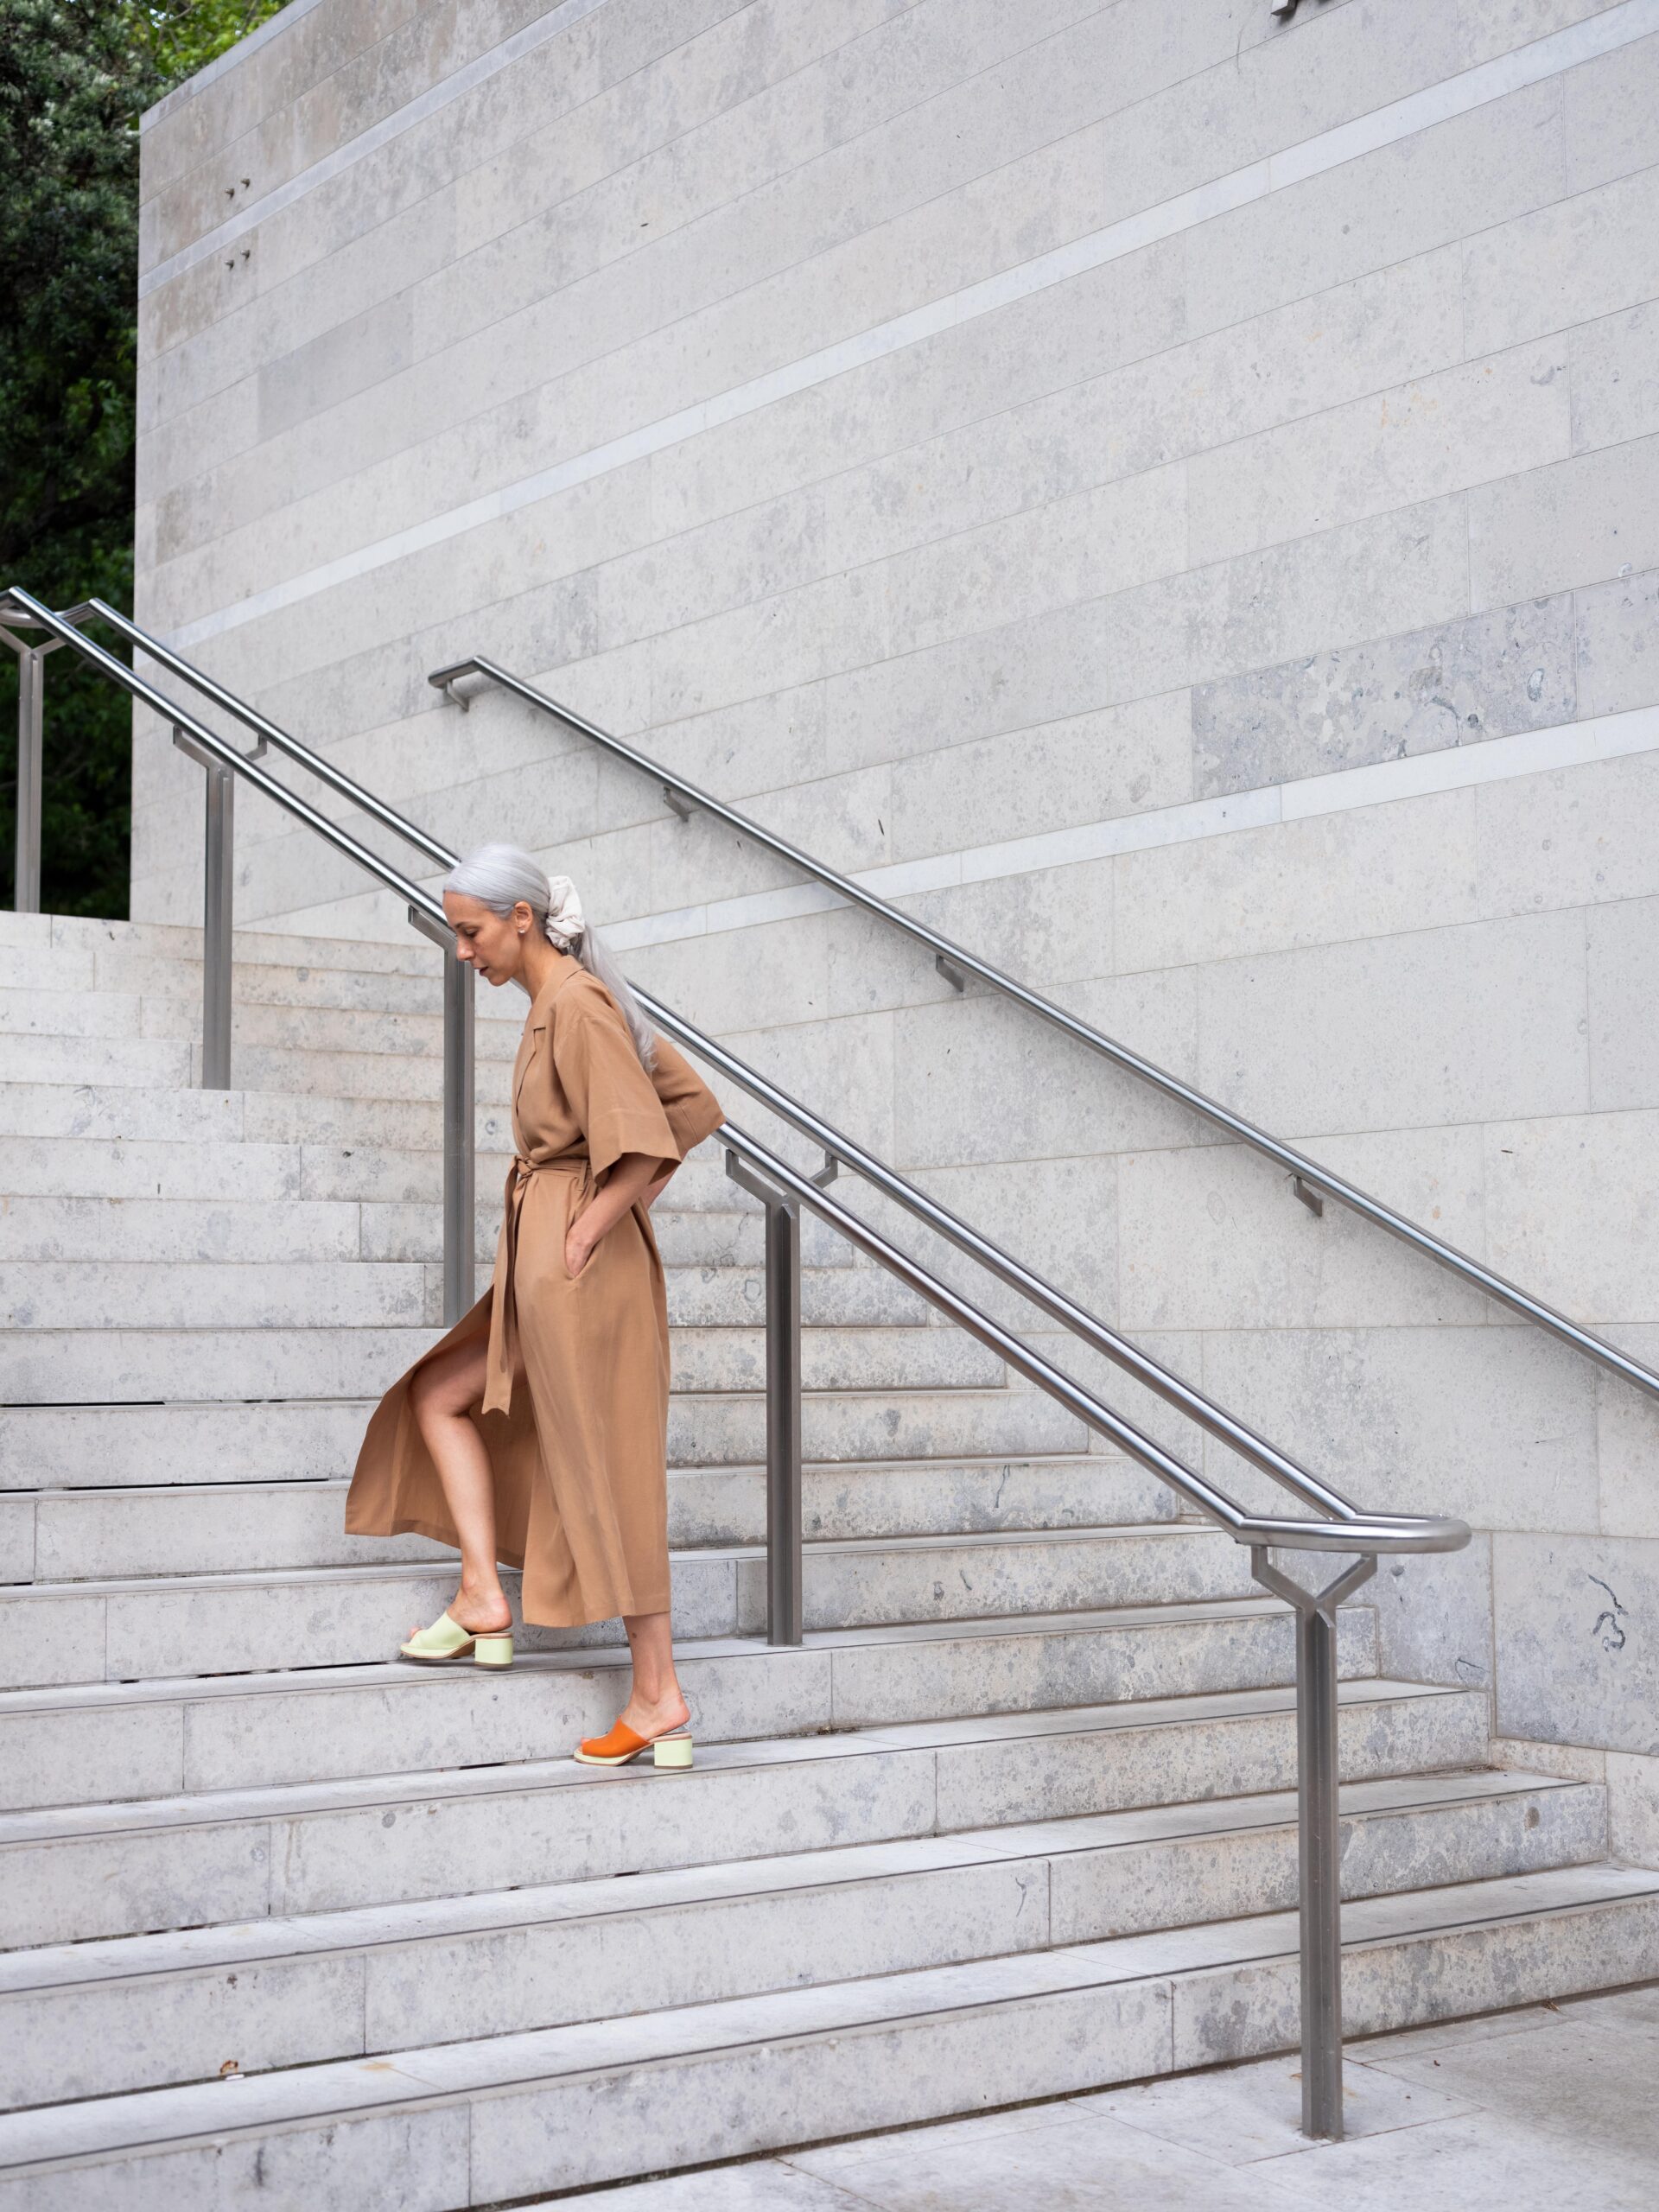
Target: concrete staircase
x: 285, y: 1920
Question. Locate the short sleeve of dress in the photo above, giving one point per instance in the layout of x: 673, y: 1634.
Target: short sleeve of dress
x: 692, y: 1108
x: 609, y: 1092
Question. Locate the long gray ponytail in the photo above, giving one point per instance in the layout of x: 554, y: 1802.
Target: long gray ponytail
x: 498, y: 876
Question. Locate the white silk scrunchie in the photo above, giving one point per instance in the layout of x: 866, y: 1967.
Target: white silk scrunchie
x: 564, y: 919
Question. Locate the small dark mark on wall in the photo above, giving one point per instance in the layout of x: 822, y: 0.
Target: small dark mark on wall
x: 1614, y: 1638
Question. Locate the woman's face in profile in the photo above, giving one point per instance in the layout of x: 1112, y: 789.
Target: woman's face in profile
x: 493, y: 943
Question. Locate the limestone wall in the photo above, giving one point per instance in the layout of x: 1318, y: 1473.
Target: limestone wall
x: 1173, y: 496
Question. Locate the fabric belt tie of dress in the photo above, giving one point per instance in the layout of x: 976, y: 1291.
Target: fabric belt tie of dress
x: 502, y: 1359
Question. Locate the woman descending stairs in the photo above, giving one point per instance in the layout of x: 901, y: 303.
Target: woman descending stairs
x: 288, y: 1922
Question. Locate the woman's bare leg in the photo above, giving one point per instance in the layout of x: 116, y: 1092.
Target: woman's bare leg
x: 657, y: 1703
x: 440, y: 1395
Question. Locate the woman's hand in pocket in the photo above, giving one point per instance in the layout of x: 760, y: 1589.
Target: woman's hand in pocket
x: 578, y: 1249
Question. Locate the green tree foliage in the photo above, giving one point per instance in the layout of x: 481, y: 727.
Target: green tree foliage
x: 75, y: 75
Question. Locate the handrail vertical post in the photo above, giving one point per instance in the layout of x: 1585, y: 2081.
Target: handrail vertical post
x: 219, y: 875
x: 459, y: 1209
x: 1318, y: 1838
x: 786, y: 1606
x: 1320, y: 1872
x: 785, y: 1585
x: 31, y: 686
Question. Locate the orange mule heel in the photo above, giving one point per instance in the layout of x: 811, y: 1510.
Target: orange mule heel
x: 671, y: 1748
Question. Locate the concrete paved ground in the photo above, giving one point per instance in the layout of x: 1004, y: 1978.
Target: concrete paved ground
x: 1554, y: 2105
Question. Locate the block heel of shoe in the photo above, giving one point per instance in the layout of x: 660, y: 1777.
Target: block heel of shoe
x: 492, y: 1651
x: 621, y: 1747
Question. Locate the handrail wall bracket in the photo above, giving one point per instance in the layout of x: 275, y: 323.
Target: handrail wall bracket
x: 1311, y: 1199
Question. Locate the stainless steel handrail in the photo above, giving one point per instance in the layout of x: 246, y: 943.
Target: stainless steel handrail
x: 224, y: 765
x: 783, y: 1189
x: 1215, y: 1418
x: 1209, y: 1416
x: 1078, y: 1319
x: 1355, y: 1532
x: 951, y: 957
x: 242, y: 764
x: 269, y: 732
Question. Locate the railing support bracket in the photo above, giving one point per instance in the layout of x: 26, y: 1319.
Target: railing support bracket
x: 1309, y: 1197
x: 951, y: 973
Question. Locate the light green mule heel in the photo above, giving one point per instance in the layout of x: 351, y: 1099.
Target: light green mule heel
x: 446, y: 1641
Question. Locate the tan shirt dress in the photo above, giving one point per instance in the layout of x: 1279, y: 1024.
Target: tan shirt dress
x: 580, y: 1449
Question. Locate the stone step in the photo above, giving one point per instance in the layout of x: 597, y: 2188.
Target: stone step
x: 82, y: 1200
x: 69, y: 1171
x: 340, y: 1073
x: 303, y: 1029
x: 716, y: 1298
x: 92, y: 1409
x: 96, y: 2019
x: 112, y: 1063
x: 713, y: 1371
x: 178, y: 1627
x: 896, y: 1358
x: 304, y: 987
x: 53, y: 1633
x: 374, y: 1060
x: 80, y: 1105
x: 730, y: 1429
x: 336, y: 1075
x: 705, y: 1242
x: 510, y: 2116
x: 224, y: 1219
x: 92, y: 1534
x: 308, y: 1290
x: 73, y: 1874
x: 82, y: 1233
x: 710, y: 1236
x: 82, y: 1397
x: 60, y: 1295
x: 47, y: 967
x: 944, y: 1496
x: 93, y: 1015
x: 72, y: 1112
x: 111, y: 1741
x: 406, y: 956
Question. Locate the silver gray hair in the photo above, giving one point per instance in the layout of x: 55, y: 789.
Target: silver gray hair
x: 499, y: 876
